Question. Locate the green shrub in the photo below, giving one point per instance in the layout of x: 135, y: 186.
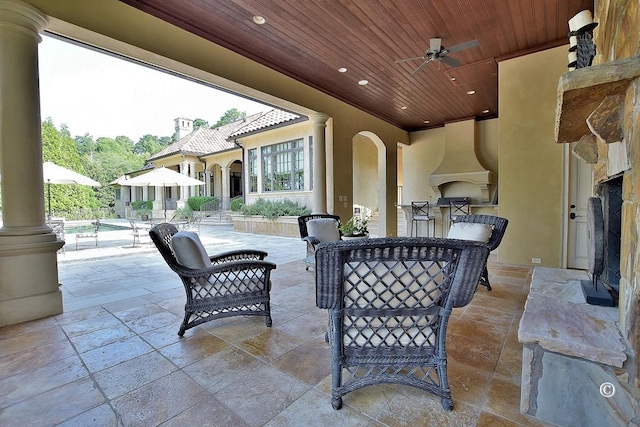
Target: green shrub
x: 236, y: 205
x: 274, y: 209
x: 145, y: 205
x: 185, y: 212
x: 197, y: 201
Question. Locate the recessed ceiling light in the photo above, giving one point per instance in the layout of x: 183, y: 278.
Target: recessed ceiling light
x: 426, y: 122
x: 471, y: 92
x: 259, y: 19
x: 342, y: 70
x: 485, y: 111
x: 363, y: 82
x: 404, y: 107
x: 453, y: 79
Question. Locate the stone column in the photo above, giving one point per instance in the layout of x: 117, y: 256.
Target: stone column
x: 226, y: 187
x: 29, y: 287
x: 319, y: 122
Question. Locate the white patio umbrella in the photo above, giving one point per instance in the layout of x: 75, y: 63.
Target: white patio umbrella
x: 162, y: 177
x: 54, y: 174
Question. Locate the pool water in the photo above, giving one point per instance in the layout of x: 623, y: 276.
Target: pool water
x: 89, y: 228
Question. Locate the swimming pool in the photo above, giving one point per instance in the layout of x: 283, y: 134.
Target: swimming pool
x: 89, y: 228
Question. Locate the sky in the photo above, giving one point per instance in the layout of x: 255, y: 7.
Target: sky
x: 103, y: 96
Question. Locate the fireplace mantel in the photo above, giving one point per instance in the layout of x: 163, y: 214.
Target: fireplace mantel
x: 581, y: 91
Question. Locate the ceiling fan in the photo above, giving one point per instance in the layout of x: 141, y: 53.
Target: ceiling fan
x: 440, y: 53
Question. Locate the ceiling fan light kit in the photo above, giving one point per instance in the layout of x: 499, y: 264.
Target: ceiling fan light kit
x: 437, y: 52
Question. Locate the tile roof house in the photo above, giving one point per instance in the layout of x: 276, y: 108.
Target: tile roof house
x: 214, y: 156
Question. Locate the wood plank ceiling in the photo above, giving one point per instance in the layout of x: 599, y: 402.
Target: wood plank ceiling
x: 310, y: 40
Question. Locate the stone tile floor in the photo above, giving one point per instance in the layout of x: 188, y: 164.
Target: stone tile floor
x: 114, y: 358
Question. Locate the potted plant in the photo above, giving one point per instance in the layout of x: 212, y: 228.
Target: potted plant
x: 142, y: 208
x: 144, y: 214
x: 356, y: 227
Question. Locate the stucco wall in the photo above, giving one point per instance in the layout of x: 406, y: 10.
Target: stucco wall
x: 426, y: 150
x: 530, y: 162
x: 365, y: 173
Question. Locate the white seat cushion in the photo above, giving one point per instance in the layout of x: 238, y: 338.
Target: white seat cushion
x: 189, y: 251
x: 470, y: 231
x: 323, y: 229
x: 387, y: 288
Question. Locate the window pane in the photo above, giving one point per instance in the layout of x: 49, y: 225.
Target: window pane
x: 283, y: 166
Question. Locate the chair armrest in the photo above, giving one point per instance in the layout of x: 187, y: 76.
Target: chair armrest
x: 311, y: 239
x: 238, y: 255
x: 232, y: 266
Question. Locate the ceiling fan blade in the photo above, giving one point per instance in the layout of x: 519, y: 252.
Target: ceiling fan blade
x: 462, y: 46
x: 435, y: 44
x: 451, y: 62
x: 424, y: 64
x: 409, y: 59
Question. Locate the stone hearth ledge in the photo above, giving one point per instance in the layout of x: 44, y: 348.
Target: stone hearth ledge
x: 557, y: 317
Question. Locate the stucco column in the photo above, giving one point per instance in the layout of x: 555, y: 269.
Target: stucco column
x: 207, y: 182
x: 319, y: 122
x: 193, y: 191
x: 29, y: 286
x: 184, y: 189
x: 226, y: 187
x: 125, y: 198
x: 158, y: 202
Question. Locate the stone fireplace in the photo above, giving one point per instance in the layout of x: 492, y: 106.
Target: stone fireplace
x: 610, y: 192
x: 581, y: 349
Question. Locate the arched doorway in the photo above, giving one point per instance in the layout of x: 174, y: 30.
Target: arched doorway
x: 370, y: 178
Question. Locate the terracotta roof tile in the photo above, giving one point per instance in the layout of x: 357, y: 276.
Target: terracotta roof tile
x: 206, y: 141
x: 269, y: 119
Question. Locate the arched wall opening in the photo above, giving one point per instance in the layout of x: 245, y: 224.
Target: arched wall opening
x: 370, y: 178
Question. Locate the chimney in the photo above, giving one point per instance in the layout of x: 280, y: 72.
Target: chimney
x: 183, y: 127
x: 460, y: 163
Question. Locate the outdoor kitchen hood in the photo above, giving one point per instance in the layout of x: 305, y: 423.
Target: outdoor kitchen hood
x: 460, y: 163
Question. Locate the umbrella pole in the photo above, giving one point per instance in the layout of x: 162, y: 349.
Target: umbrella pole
x: 49, y: 198
x: 164, y: 203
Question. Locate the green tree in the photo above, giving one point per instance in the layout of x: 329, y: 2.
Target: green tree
x: 165, y: 141
x: 198, y: 123
x: 58, y: 147
x: 105, y: 167
x: 85, y: 145
x: 147, y: 145
x: 230, y: 116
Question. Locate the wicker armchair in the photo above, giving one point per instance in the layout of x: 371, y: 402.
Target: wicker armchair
x: 389, y: 302
x: 234, y: 283
x: 499, y: 226
x: 313, y: 241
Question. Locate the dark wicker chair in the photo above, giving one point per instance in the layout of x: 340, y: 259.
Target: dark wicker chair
x: 389, y: 302
x: 312, y: 241
x: 499, y: 226
x: 236, y: 284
